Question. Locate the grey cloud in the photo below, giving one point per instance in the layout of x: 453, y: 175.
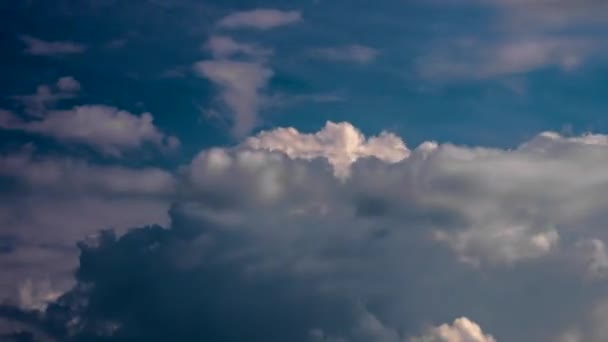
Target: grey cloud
x: 383, y: 254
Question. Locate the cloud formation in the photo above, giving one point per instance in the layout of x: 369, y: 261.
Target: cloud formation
x: 268, y: 230
x: 261, y: 19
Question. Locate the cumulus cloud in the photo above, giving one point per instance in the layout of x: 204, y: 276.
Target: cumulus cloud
x: 39, y: 47
x: 462, y: 330
x: 340, y: 143
x: 270, y: 232
x: 241, y: 85
x: 350, y: 53
x: 261, y: 19
x: 110, y: 130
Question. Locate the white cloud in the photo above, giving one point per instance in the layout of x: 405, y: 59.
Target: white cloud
x: 39, y: 47
x: 110, y: 130
x: 340, y: 143
x: 462, y: 330
x: 262, y: 19
x: 224, y: 46
x: 241, y: 85
x: 350, y: 53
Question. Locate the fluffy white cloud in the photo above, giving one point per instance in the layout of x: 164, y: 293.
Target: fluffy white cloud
x: 39, y: 47
x: 262, y: 19
x: 340, y: 143
x: 350, y: 53
x: 462, y: 330
x: 241, y: 85
x: 108, y: 129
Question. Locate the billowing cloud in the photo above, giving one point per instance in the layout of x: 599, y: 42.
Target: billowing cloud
x: 110, y: 130
x: 350, y: 53
x: 340, y: 143
x: 261, y: 19
x: 462, y: 330
x: 270, y: 232
x: 39, y: 47
x: 241, y: 86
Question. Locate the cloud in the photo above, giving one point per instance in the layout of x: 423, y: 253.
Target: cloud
x: 473, y: 59
x: 271, y: 234
x: 39, y: 47
x: 340, y: 143
x: 63, y: 174
x: 350, y: 53
x: 224, y: 46
x: 55, y: 201
x: 68, y: 84
x: 462, y: 330
x: 261, y: 19
x: 241, y: 85
x: 47, y: 96
x: 107, y: 129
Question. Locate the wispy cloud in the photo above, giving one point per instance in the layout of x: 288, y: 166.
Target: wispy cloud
x: 350, y: 53
x: 261, y: 19
x: 39, y: 47
x: 240, y: 85
x: 475, y: 59
x: 224, y: 46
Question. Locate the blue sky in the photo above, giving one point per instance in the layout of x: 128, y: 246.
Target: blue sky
x: 388, y: 171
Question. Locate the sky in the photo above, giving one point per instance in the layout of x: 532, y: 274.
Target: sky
x: 306, y: 171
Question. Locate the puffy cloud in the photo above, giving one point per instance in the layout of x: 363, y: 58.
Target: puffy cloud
x: 39, y: 47
x: 272, y: 234
x: 224, y: 46
x: 52, y: 203
x: 241, y: 84
x: 108, y: 129
x: 462, y: 330
x: 340, y: 143
x: 350, y: 53
x: 261, y: 19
